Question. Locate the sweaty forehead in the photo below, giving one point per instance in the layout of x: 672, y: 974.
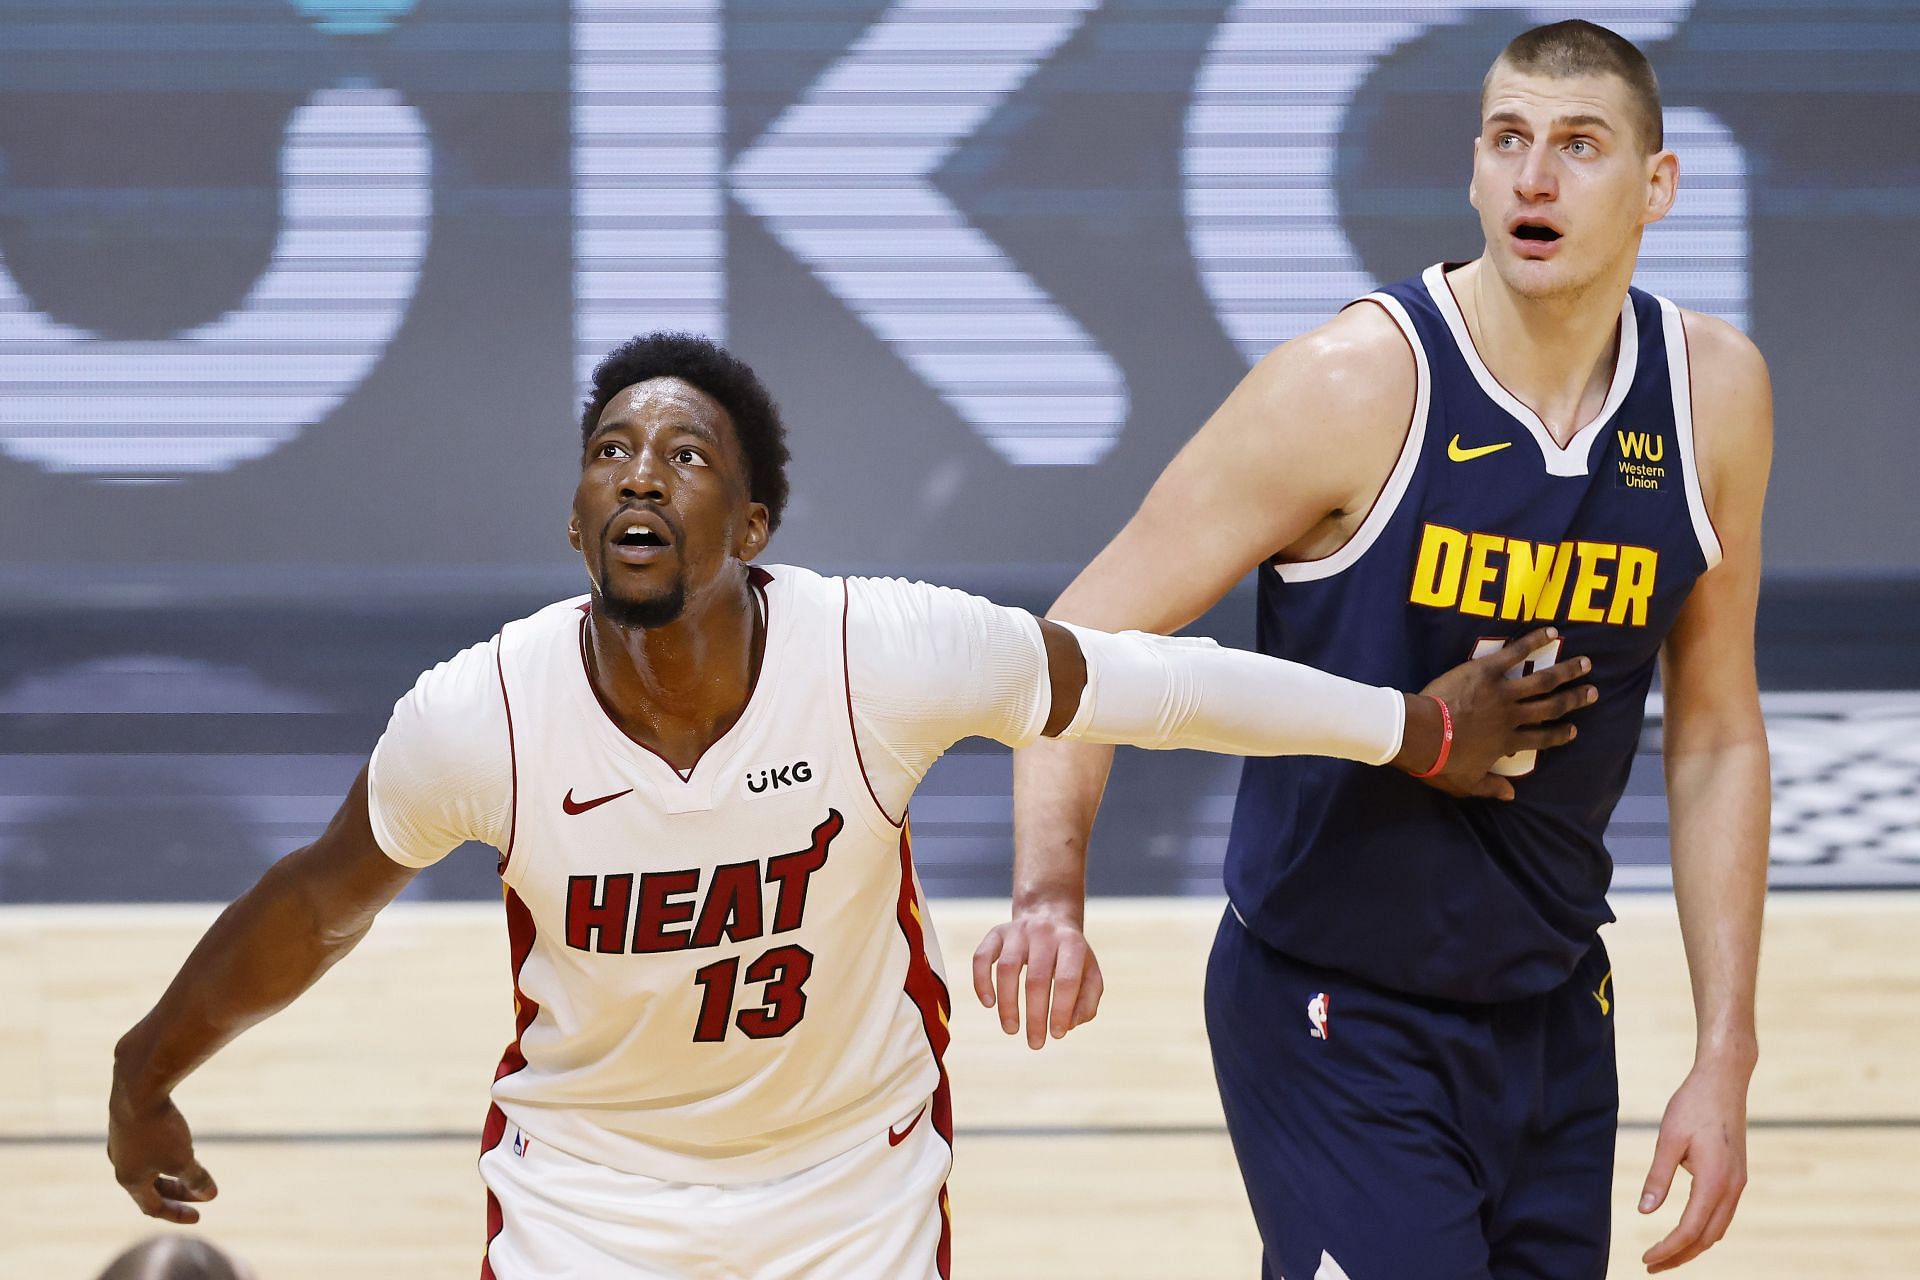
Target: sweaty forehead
x: 657, y: 396
x: 671, y: 402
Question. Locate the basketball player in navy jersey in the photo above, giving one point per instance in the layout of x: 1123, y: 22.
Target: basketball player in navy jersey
x: 1409, y: 1005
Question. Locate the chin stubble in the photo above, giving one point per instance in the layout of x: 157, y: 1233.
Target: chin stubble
x: 657, y: 611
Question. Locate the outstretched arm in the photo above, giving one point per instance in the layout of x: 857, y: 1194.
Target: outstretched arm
x: 274, y: 942
x: 1290, y: 461
x: 1719, y: 796
x: 1158, y: 692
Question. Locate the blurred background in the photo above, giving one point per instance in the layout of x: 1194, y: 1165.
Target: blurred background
x: 297, y: 298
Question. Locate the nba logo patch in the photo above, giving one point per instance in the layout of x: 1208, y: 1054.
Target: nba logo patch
x: 520, y: 1143
x: 1317, y: 1015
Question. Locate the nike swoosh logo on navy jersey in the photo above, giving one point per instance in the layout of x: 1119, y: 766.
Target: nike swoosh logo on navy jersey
x: 1455, y: 452
x: 895, y: 1139
x: 569, y: 805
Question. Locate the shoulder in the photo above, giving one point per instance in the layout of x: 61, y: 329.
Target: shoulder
x: 469, y: 677
x: 443, y: 770
x: 895, y: 623
x: 1334, y: 402
x: 791, y: 587
x: 1722, y: 358
x: 1732, y: 397
x: 1321, y: 417
x: 454, y: 697
x: 896, y: 604
x: 558, y: 618
x: 1359, y: 362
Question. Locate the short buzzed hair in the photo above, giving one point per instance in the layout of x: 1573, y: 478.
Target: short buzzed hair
x: 1577, y: 47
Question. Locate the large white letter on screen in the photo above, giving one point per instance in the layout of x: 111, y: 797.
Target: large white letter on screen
x: 356, y: 207
x: 842, y: 179
x: 648, y: 123
x: 1263, y: 134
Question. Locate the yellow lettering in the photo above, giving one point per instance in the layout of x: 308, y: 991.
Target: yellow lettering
x: 1479, y: 574
x: 1556, y: 584
x: 1591, y: 579
x: 1436, y: 578
x: 1633, y: 589
x: 1638, y: 444
x: 1528, y: 567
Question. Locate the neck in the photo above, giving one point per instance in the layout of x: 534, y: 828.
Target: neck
x: 677, y: 689
x: 1555, y: 353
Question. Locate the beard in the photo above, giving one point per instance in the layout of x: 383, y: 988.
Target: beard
x: 641, y: 615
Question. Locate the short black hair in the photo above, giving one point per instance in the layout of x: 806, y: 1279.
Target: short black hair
x: 709, y: 366
x: 1577, y: 47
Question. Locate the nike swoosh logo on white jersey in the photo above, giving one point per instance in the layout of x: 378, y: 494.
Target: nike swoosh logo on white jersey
x: 895, y: 1139
x: 582, y: 806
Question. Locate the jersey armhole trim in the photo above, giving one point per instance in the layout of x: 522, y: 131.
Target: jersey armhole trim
x: 513, y: 758
x: 1680, y: 378
x: 853, y: 730
x: 1395, y: 489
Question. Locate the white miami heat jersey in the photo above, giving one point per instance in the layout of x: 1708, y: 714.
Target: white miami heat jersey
x: 726, y: 967
x: 723, y: 975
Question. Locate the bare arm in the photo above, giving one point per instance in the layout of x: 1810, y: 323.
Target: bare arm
x: 1718, y: 792
x: 274, y: 942
x: 1306, y: 439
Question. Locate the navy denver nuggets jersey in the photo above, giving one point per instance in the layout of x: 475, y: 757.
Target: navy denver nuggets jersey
x: 1485, y: 529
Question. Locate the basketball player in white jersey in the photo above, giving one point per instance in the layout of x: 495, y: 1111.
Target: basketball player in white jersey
x: 730, y: 1011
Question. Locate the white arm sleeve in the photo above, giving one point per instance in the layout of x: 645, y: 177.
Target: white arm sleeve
x: 928, y: 666
x: 1180, y: 691
x: 442, y: 773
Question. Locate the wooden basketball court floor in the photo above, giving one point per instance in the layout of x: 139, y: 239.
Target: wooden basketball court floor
x: 344, y: 1132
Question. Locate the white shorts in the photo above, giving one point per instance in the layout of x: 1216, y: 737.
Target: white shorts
x: 877, y: 1212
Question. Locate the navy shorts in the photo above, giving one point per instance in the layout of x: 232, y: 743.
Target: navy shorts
x: 1385, y: 1136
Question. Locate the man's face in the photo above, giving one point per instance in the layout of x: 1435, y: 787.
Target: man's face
x: 1562, y: 180
x: 662, y: 507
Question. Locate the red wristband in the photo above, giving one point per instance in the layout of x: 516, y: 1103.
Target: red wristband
x: 1446, y: 739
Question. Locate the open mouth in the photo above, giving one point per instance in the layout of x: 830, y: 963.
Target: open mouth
x: 1538, y: 232
x: 639, y: 536
x: 636, y: 536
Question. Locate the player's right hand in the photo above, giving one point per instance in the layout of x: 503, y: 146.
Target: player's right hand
x: 152, y: 1154
x: 1063, y: 983
x: 1496, y: 715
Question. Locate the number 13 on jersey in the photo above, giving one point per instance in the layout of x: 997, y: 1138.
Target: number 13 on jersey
x: 1520, y: 763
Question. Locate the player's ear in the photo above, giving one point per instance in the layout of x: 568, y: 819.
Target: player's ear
x: 573, y: 531
x: 1473, y: 175
x: 756, y: 533
x: 1663, y: 183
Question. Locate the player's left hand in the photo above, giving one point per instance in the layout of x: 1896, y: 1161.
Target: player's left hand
x: 1705, y: 1131
x: 1063, y: 982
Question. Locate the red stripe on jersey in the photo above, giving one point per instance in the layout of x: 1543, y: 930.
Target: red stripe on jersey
x: 513, y: 761
x: 853, y: 730
x: 930, y: 997
x: 519, y: 947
